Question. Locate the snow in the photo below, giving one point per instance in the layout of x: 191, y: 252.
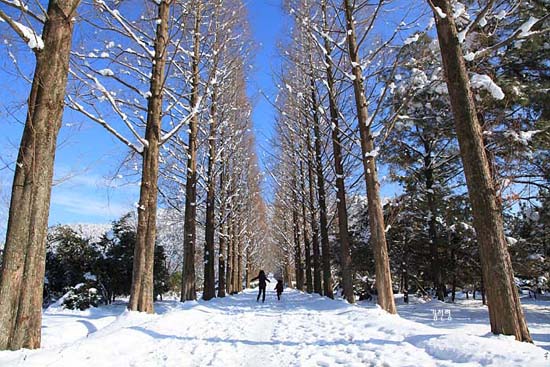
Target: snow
x: 440, y: 12
x: 106, y: 72
x: 411, y: 39
x: 300, y: 330
x: 522, y: 137
x: 485, y: 81
x: 373, y: 153
x: 35, y: 40
x: 525, y: 28
x: 459, y: 9
x: 501, y: 15
x: 90, y: 231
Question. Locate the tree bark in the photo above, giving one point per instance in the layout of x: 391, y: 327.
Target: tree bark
x: 248, y: 268
x: 188, y: 291
x: 345, y: 256
x: 209, y: 258
x: 23, y: 265
x: 317, y: 286
x: 235, y: 258
x: 317, y: 282
x: 222, y: 239
x: 327, y: 275
x: 240, y: 262
x: 229, y: 273
x: 435, y: 263
x: 505, y: 310
x: 298, y: 269
x: 307, y: 244
x: 141, y: 292
x: 376, y: 215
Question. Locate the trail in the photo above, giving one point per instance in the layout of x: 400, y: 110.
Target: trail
x: 300, y: 330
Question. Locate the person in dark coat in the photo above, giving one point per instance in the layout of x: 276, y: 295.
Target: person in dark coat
x: 262, y: 278
x: 279, y: 289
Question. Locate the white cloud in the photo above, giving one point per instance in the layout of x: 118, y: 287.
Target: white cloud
x: 66, y: 202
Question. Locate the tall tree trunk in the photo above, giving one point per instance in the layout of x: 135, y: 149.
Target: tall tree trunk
x: 240, y: 262
x: 307, y: 245
x: 235, y: 258
x: 376, y: 215
x: 505, y: 310
x: 317, y: 286
x: 435, y: 262
x: 453, y: 289
x: 298, y: 268
x: 325, y: 255
x: 222, y: 238
x: 229, y: 274
x: 404, y: 271
x: 209, y: 258
x: 23, y: 265
x: 188, y: 291
x: 248, y: 268
x: 345, y: 256
x: 317, y: 283
x: 141, y: 292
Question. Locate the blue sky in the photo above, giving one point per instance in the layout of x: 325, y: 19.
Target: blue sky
x: 88, y: 157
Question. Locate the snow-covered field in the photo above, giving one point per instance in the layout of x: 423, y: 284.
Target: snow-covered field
x: 300, y: 330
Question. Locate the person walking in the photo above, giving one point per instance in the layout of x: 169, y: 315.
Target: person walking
x: 262, y: 278
x: 279, y: 288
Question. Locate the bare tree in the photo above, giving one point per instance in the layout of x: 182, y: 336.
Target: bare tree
x: 23, y: 262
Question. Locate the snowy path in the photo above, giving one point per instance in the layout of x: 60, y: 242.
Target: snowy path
x: 301, y: 330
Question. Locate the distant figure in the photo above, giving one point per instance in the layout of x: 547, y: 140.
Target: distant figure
x: 262, y: 278
x: 279, y: 289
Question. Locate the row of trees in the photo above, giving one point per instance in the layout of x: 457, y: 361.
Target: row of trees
x: 167, y: 79
x: 422, y: 101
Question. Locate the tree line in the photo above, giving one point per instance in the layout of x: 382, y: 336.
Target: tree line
x: 168, y: 80
x: 445, y: 95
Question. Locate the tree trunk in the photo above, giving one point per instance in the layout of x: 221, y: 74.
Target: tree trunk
x: 317, y: 287
x: 248, y: 268
x: 23, y: 265
x: 209, y: 258
x: 432, y: 227
x: 404, y: 272
x: 222, y: 238
x: 235, y: 259
x: 229, y: 274
x: 141, y: 293
x: 505, y: 310
x: 327, y: 275
x: 345, y: 256
x: 188, y: 291
x: 240, y: 262
x: 298, y: 269
x: 453, y: 291
x: 376, y: 215
x: 307, y: 245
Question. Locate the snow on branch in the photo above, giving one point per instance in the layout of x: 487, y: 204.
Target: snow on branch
x: 176, y: 128
x: 485, y: 82
x: 77, y: 107
x: 115, y: 13
x: 31, y: 38
x: 523, y: 31
x: 19, y: 5
x: 478, y: 20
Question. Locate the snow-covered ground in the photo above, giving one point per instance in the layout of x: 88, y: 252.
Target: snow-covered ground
x: 300, y: 330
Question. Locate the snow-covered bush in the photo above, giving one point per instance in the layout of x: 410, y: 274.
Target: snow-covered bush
x: 81, y: 297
